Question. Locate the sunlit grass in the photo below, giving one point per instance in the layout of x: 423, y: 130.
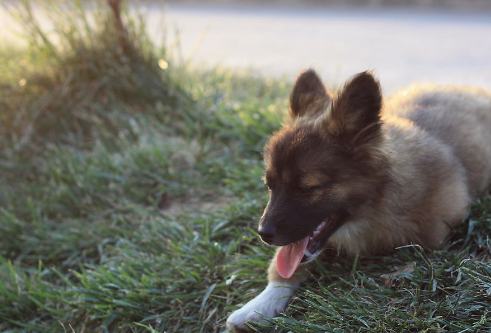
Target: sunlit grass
x: 69, y: 82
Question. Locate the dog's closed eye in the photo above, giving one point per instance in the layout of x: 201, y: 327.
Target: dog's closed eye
x: 312, y: 188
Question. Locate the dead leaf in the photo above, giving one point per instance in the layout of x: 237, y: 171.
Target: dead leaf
x: 391, y: 279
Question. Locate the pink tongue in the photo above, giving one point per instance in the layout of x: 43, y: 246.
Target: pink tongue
x: 289, y: 257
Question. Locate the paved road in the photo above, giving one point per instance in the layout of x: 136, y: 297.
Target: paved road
x: 401, y: 46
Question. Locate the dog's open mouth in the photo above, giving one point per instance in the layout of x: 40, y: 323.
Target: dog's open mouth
x: 306, y: 249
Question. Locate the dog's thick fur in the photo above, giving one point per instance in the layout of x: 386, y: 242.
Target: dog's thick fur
x: 381, y: 174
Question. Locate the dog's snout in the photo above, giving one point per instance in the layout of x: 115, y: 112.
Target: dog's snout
x: 267, y: 233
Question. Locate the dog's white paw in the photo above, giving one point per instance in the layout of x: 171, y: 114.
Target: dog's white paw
x: 270, y: 303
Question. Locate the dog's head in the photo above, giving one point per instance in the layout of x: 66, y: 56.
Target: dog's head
x: 325, y: 164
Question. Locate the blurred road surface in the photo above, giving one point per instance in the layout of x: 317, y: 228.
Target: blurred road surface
x: 400, y: 45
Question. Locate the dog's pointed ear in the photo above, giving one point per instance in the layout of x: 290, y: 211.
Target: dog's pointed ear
x: 355, y: 113
x: 309, y: 96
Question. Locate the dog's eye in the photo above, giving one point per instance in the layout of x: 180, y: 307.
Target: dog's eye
x: 309, y: 189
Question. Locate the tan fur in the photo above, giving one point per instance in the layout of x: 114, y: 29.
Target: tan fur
x: 312, y: 180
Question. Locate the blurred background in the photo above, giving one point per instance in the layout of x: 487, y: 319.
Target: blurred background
x: 402, y: 41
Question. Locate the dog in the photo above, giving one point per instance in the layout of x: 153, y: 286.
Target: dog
x: 361, y: 174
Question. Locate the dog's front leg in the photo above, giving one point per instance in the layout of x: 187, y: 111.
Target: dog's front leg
x: 270, y: 302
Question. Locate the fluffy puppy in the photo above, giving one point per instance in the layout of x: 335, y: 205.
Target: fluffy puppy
x: 363, y: 175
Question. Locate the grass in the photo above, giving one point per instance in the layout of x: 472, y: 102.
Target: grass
x: 129, y: 197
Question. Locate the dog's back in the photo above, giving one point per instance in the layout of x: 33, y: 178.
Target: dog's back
x: 438, y: 144
x: 459, y: 117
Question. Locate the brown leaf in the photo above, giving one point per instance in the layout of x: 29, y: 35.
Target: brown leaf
x: 390, y: 279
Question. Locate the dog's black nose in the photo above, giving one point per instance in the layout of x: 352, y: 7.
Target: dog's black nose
x: 267, y: 233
